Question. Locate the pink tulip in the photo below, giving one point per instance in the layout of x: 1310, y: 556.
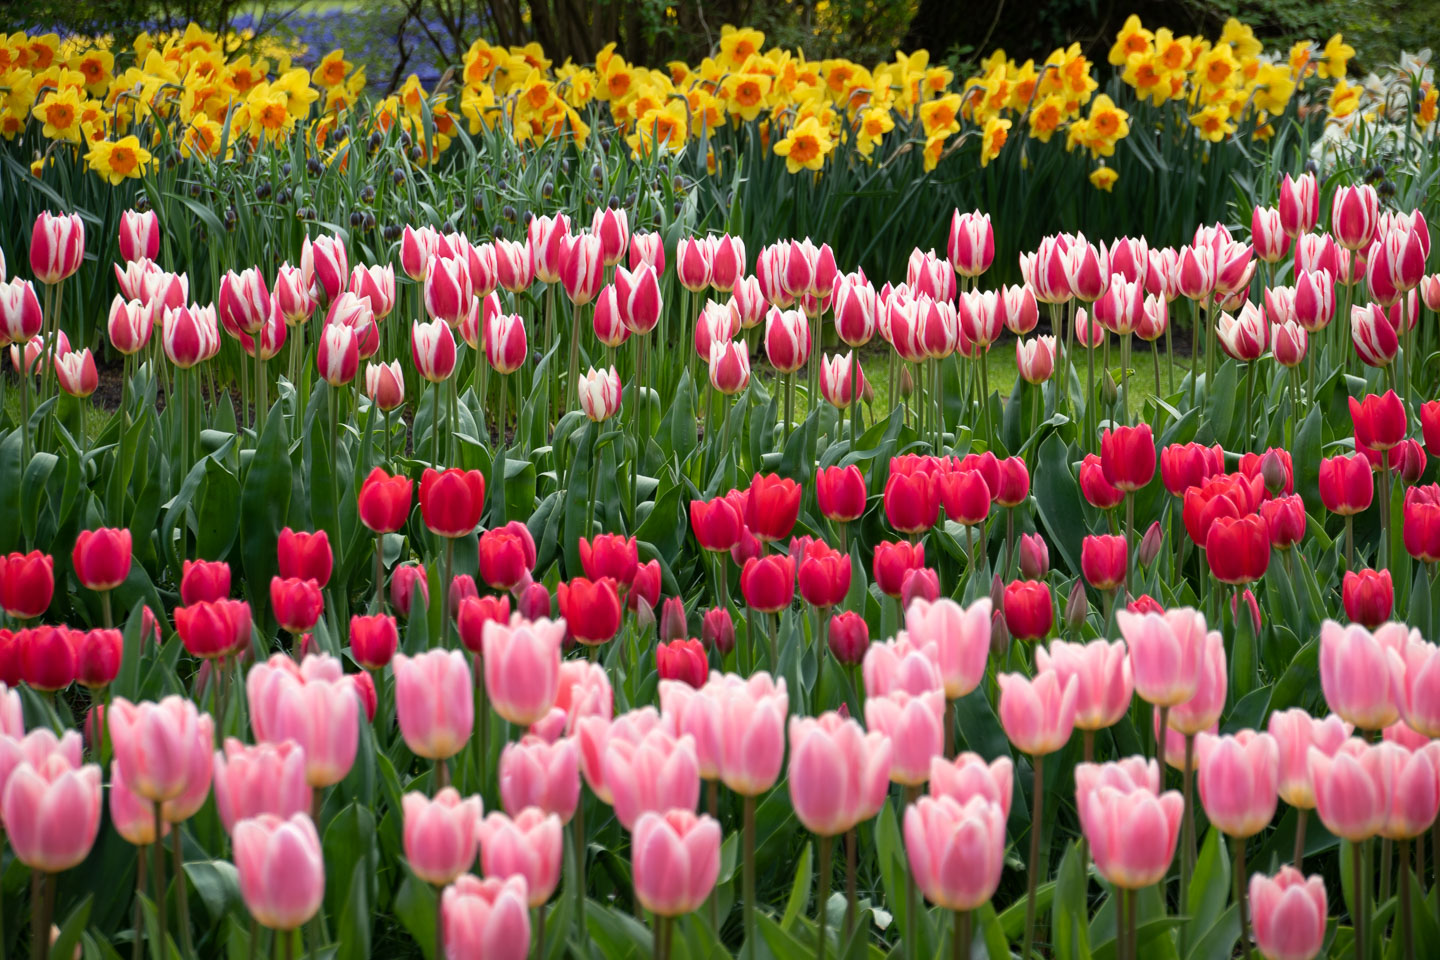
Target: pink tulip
x: 534, y: 773
x: 432, y: 348
x: 57, y: 246
x: 752, y: 732
x: 968, y: 776
x: 1127, y: 776
x: 1415, y: 670
x: 199, y: 771
x: 51, y: 812
x: 522, y: 667
x: 12, y: 718
x: 36, y: 748
x: 675, y: 859
x: 1239, y: 781
x: 1296, y: 733
x: 325, y: 266
x: 1102, y: 673
x: 1410, y: 790
x: 1038, y: 715
x: 1132, y: 834
x: 837, y: 772
x: 915, y: 724
x: 1349, y: 796
x: 1289, y: 914
x: 956, y: 852
x: 961, y: 637
x: 583, y: 691
x: 696, y: 713
x: 131, y: 814
x: 434, y: 702
x: 139, y: 235
x: 441, y: 834
x: 153, y: 743
x: 316, y: 706
x: 531, y: 846
x: 505, y: 343
x: 282, y: 869
x: 486, y: 918
x: 594, y: 733
x: 1166, y: 652
x: 265, y: 778
x: 1203, y: 710
x: 902, y: 664
x: 656, y: 774
x: 1355, y: 672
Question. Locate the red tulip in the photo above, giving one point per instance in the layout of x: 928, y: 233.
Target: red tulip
x: 768, y: 583
x: 824, y: 576
x: 645, y: 586
x: 840, y: 492
x: 1354, y: 216
x: 1374, y: 337
x: 848, y: 636
x: 610, y: 555
x: 214, y: 628
x: 1422, y: 523
x: 772, y: 507
x: 649, y: 248
x: 1228, y: 495
x: 462, y: 586
x: 1346, y: 484
x: 1095, y: 487
x: 403, y: 582
x: 1369, y: 597
x: 305, y: 556
x: 912, y: 502
x: 1299, y: 205
x: 1014, y: 487
x: 717, y: 630
x: 47, y: 657
x: 1286, y: 519
x: 202, y: 580
x: 966, y: 496
x: 682, y: 660
x: 97, y: 656
x: 1127, y: 457
x: 1029, y: 612
x: 507, y: 555
x: 57, y: 246
x: 1380, y: 421
x: 1238, y: 548
x: 101, y: 558
x: 1103, y: 560
x: 892, y: 561
x: 475, y: 612
x: 1034, y: 556
x: 297, y: 603
x: 716, y: 523
x: 27, y: 582
x: 1189, y: 465
x: 591, y: 608
x: 373, y: 640
x: 451, y: 501
x: 384, y: 501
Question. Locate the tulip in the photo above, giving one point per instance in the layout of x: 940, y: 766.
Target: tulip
x: 486, y: 918
x: 1415, y: 670
x: 473, y: 612
x: 961, y: 638
x: 676, y: 861
x: 189, y: 335
x: 956, y: 851
x: 1239, y: 781
x: 51, y: 811
x: 1028, y: 608
x: 305, y: 555
x: 591, y: 609
x: 1354, y: 216
x: 1095, y: 487
x: 319, y: 713
x: 1375, y: 339
x: 729, y: 367
x: 403, y: 582
x: 243, y: 302
x: 132, y: 815
x: 1132, y: 834
x: 47, y: 657
x: 373, y: 640
x: 1104, y: 561
x: 101, y: 558
x: 432, y: 348
x: 541, y: 775
x: 965, y: 494
x: 912, y: 503
x: 787, y: 339
x: 840, y: 492
x: 682, y: 660
x: 1103, y: 679
x: 637, y: 295
x: 581, y: 267
x: 610, y: 555
x: 1346, y: 484
x: 600, y: 394
x: 385, y: 385
x: 281, y: 868
x: 337, y: 357
x: 505, y: 342
x: 715, y: 523
x: 433, y: 702
x: 297, y: 604
x: 1034, y: 557
x: 261, y: 779
x: 57, y: 246
x: 522, y: 668
x: 529, y: 846
x: 772, y: 507
x: 97, y: 656
x: 440, y: 835
x: 1290, y: 914
x: 203, y: 580
x: 1349, y: 794
x: 1267, y: 234
x: 1035, y: 359
x: 21, y: 318
x: 654, y: 773
x: 971, y: 248
x: 1410, y: 789
x: 515, y: 263
x: 1355, y: 672
x: 824, y: 575
x: 1166, y: 653
x: 506, y: 556
x: 451, y: 501
x: 384, y: 501
x: 1238, y: 549
x: 1380, y: 421
x: 915, y: 725
x: 1369, y: 597
x: 76, y: 374
x: 139, y: 235
x: 768, y: 583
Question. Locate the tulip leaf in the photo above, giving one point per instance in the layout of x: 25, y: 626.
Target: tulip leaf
x: 576, y: 495
x: 783, y: 944
x: 415, y: 906
x: 68, y: 940
x: 217, y: 519
x: 264, y: 503
x: 354, y: 916
x: 10, y: 453
x: 1068, y: 907
x: 1220, y: 407
x: 32, y: 489
x: 1057, y: 499
x: 1305, y: 455
x: 799, y: 900
x: 218, y: 885
x: 1209, y: 885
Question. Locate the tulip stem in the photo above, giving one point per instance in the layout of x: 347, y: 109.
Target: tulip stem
x: 712, y: 804
x: 1238, y: 847
x: 775, y: 643
x: 482, y: 723
x: 1407, y: 932
x: 747, y: 876
x: 1131, y: 917
x: 441, y: 781
x: 1387, y: 517
x: 1300, y: 837
x: 1349, y: 541
x: 379, y: 573
x: 1187, y: 851
x: 960, y: 942
x: 445, y: 592
x: 1121, y: 941
x: 1358, y: 885
x: 822, y: 903
x: 1033, y: 869
x: 439, y: 926
x: 1387, y: 848
x: 851, y: 856
x: 39, y: 923
x: 182, y: 902
x: 1130, y: 558
x: 158, y: 867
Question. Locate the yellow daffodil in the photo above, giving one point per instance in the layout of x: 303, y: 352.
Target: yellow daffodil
x: 1106, y: 125
x: 1273, y: 88
x: 1217, y: 67
x: 739, y: 45
x: 707, y: 112
x: 1344, y: 99
x: 332, y: 69
x: 1149, y: 79
x: 997, y: 131
x: 478, y: 106
x: 59, y: 111
x: 616, y: 80
x: 936, y: 81
x: 1103, y: 178
x: 481, y: 62
x: 97, y: 65
x: 268, y: 113
x: 934, y: 149
x: 747, y: 95
x: 117, y: 161
x: 295, y: 85
x: 1023, y: 81
x: 1213, y: 123
x: 941, y: 117
x: 662, y: 128
x: 202, y: 138
x: 1335, y: 58
x: 1425, y: 113
x: 874, y: 124
x: 1046, y: 117
x: 805, y: 146
x: 1241, y: 37
x: 1172, y: 53
x: 1131, y: 40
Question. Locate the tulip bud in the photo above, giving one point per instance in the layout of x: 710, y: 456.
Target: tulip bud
x: 999, y: 635
x: 717, y: 629
x: 1150, y: 544
x: 1076, y: 606
x: 907, y: 384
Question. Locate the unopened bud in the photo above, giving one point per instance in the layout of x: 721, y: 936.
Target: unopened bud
x: 1034, y: 556
x: 1108, y: 387
x: 867, y: 393
x: 999, y: 636
x: 907, y: 383
x: 1077, y: 606
x: 997, y: 594
x: 1150, y: 544
x: 1272, y: 468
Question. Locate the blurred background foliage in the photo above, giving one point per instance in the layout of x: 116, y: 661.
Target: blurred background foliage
x: 395, y: 37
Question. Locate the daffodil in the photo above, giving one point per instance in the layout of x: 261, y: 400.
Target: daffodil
x: 873, y: 124
x: 1344, y: 99
x: 1213, y: 123
x: 331, y: 70
x: 1150, y: 80
x: 59, y: 111
x: 1335, y: 58
x: 1046, y: 117
x: 747, y: 95
x: 97, y: 65
x: 934, y: 149
x: 805, y: 146
x: 941, y: 117
x: 118, y: 160
x: 738, y: 45
x: 1425, y: 113
x: 1273, y: 88
x: 1241, y: 37
x: 1131, y: 40
x: 1106, y: 126
x: 1103, y: 178
x: 661, y: 128
x: 997, y: 131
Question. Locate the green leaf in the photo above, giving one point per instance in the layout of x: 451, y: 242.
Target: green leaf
x: 1068, y: 908
x: 70, y: 931
x: 218, y: 512
x: 1209, y: 885
x: 415, y: 906
x: 353, y: 940
x: 1057, y: 498
x: 218, y: 884
x: 799, y: 891
x: 783, y: 944
x: 1218, y: 942
x: 264, y: 503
